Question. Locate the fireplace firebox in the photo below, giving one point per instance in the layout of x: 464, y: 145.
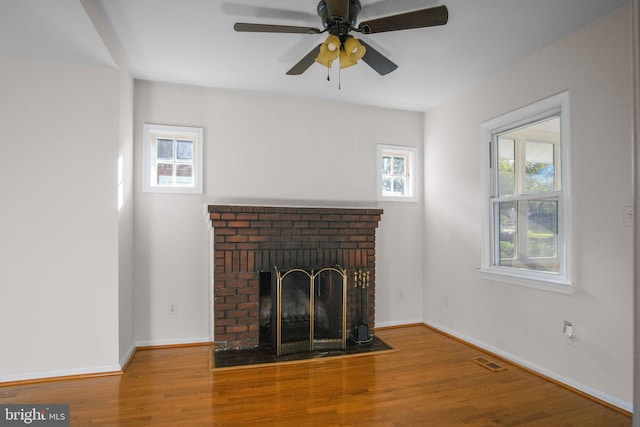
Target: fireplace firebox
x: 309, y: 310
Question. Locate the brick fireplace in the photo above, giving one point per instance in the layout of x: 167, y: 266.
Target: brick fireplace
x: 250, y: 240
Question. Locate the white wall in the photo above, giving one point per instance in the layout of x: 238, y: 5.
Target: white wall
x: 522, y: 323
x: 59, y: 220
x: 125, y: 220
x: 265, y: 150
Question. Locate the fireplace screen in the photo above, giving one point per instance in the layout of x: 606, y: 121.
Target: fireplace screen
x: 310, y: 310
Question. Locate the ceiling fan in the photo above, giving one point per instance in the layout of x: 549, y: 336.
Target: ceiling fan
x: 339, y: 19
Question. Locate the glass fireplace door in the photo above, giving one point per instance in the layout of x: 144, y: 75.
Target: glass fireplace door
x: 310, y: 310
x: 329, y: 296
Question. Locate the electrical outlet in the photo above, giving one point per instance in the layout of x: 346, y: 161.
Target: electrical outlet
x: 569, y: 332
x: 173, y: 309
x: 445, y: 301
x: 627, y: 216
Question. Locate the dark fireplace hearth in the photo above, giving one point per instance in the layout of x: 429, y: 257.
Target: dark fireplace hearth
x: 312, y: 252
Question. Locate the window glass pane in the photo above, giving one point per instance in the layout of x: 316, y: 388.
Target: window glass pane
x: 386, y: 166
x: 184, y: 150
x: 399, y: 185
x: 542, y: 230
x: 164, y: 148
x: 398, y: 166
x: 386, y: 184
x: 539, y: 167
x: 507, y: 213
x: 165, y: 173
x: 506, y: 167
x: 184, y: 174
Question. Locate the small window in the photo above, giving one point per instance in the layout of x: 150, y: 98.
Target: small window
x: 172, y: 159
x: 396, y: 173
x: 526, y: 230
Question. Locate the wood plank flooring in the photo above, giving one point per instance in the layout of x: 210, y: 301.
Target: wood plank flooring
x: 429, y: 381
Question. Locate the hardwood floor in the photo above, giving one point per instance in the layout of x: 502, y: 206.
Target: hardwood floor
x: 430, y: 381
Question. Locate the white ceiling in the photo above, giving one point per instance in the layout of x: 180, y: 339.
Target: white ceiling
x: 193, y: 42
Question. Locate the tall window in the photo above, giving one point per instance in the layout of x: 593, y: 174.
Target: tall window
x: 396, y: 173
x: 172, y: 159
x: 527, y: 228
x: 525, y: 201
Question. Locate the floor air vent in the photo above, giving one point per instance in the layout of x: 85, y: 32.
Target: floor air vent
x: 492, y: 366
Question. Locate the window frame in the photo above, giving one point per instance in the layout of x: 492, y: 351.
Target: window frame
x: 152, y: 132
x: 410, y: 153
x: 559, y: 105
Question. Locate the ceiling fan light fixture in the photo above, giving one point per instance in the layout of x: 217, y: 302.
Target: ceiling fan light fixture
x: 353, y: 52
x: 329, y: 51
x: 345, y: 60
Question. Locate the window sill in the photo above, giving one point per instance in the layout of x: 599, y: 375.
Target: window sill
x: 403, y: 199
x: 171, y: 190
x: 551, y: 283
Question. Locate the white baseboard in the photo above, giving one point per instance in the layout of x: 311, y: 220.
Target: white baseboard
x: 397, y: 323
x: 114, y: 369
x: 622, y: 404
x: 98, y: 370
x: 127, y: 357
x: 183, y: 341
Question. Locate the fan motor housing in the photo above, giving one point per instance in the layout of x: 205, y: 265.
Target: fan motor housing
x: 331, y: 21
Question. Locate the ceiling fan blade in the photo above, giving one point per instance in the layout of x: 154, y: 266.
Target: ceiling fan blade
x: 375, y: 8
x: 339, y: 8
x: 267, y: 28
x: 405, y: 21
x: 305, y: 62
x: 380, y: 63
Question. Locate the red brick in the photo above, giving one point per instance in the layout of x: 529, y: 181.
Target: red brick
x: 247, y: 291
x: 224, y: 231
x: 224, y: 292
x: 236, y: 328
x: 223, y: 337
x: 221, y: 308
x: 229, y: 314
x: 282, y: 224
x: 290, y: 217
x: 248, y: 231
x: 238, y: 224
x: 225, y: 247
x: 247, y: 246
x: 236, y: 239
x: 269, y: 217
x: 235, y: 299
x: 247, y: 216
x: 250, y: 305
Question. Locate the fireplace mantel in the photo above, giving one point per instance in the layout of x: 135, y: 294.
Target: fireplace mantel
x: 250, y: 239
